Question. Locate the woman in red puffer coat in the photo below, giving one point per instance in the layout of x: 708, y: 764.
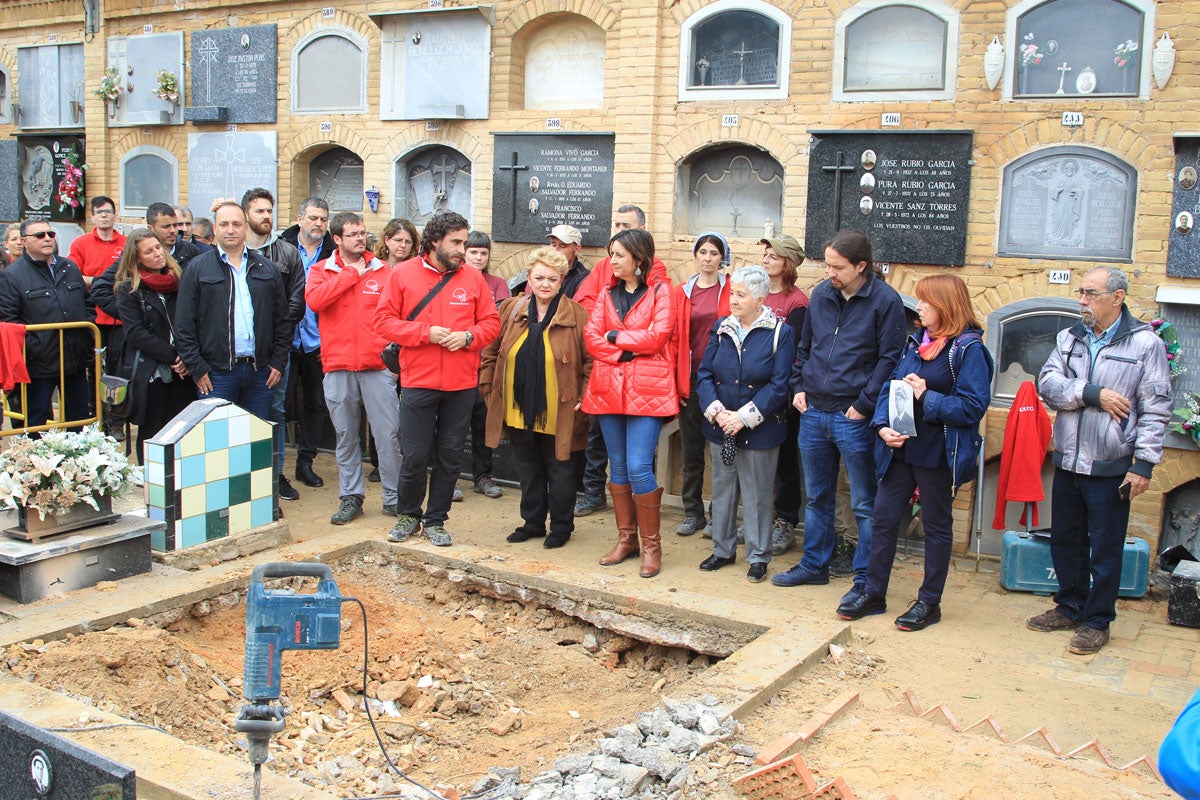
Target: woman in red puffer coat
x: 631, y: 390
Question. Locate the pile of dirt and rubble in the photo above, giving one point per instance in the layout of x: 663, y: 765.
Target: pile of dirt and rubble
x: 458, y: 682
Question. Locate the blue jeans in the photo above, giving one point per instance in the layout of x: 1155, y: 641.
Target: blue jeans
x: 824, y: 437
x: 244, y: 386
x: 631, y: 443
x: 279, y: 414
x: 1087, y: 542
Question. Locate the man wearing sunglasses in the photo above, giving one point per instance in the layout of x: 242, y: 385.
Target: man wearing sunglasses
x: 37, y: 288
x: 1108, y: 379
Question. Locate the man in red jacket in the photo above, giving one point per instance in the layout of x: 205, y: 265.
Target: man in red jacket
x: 93, y: 253
x: 442, y: 317
x: 343, y: 291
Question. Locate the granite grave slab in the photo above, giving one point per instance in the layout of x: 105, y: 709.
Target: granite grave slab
x: 37, y: 763
x: 235, y: 69
x: 907, y: 191
x: 1183, y: 243
x: 10, y: 200
x: 542, y: 180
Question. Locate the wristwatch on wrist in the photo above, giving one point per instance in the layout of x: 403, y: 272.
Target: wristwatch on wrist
x: 470, y: 338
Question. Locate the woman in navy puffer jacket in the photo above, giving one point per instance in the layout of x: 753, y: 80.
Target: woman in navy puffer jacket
x: 743, y: 393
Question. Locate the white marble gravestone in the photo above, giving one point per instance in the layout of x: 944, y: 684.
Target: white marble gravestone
x: 138, y: 60
x: 564, y: 66
x: 435, y: 64
x: 226, y: 164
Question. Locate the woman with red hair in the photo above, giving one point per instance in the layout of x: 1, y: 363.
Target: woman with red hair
x: 949, y: 371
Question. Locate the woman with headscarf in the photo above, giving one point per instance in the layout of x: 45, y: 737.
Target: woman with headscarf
x: 632, y: 390
x: 743, y: 393
x: 949, y: 370
x: 699, y: 302
x: 532, y: 378
x: 146, y: 286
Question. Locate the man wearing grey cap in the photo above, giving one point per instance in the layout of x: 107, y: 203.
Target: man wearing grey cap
x: 567, y: 240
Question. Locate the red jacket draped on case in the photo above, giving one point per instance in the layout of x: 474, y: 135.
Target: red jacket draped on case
x: 1026, y: 436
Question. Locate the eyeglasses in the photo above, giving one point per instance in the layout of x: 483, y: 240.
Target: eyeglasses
x: 1092, y: 294
x: 103, y: 212
x: 43, y: 234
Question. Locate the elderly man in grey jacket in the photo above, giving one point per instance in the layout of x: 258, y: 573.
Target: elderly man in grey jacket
x: 1109, y: 381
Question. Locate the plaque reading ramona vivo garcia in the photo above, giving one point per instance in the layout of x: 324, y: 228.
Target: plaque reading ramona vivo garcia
x: 543, y: 180
x: 908, y: 191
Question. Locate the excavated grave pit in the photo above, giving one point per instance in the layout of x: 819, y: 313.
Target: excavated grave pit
x: 465, y: 673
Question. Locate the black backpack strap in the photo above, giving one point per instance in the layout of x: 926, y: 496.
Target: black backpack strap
x: 427, y: 299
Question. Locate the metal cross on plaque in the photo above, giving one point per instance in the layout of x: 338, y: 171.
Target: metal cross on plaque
x: 837, y: 168
x: 514, y: 168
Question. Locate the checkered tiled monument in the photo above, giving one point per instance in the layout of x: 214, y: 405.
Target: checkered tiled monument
x: 209, y: 473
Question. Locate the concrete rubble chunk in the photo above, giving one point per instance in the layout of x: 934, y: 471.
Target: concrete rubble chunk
x: 606, y: 765
x: 708, y: 724
x: 679, y: 780
x: 742, y: 749
x: 573, y: 765
x: 680, y: 740
x: 632, y: 779
x: 685, y: 714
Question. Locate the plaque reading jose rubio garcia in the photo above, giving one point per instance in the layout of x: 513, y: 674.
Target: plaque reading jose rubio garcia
x: 543, y: 180
x: 908, y: 191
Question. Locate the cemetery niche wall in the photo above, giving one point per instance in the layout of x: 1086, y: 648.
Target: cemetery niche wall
x: 138, y: 61
x: 43, y: 162
x: 431, y: 180
x: 226, y: 164
x: 1068, y: 203
x: 52, y: 86
x: 907, y: 191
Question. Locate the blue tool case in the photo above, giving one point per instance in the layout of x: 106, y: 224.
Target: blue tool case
x: 1025, y: 564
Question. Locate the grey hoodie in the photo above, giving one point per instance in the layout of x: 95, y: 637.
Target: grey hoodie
x: 1087, y: 440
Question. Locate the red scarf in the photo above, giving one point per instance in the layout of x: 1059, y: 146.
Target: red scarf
x: 161, y: 282
x: 930, y: 347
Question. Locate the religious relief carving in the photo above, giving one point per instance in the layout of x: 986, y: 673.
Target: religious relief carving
x: 336, y: 176
x: 1068, y: 202
x: 435, y: 180
x: 733, y: 185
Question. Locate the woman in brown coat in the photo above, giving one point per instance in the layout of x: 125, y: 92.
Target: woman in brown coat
x: 532, y: 378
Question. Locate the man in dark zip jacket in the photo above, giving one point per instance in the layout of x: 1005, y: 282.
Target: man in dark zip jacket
x: 232, y: 328
x: 852, y: 337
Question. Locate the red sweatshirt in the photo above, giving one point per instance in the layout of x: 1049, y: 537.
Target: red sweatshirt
x: 93, y: 255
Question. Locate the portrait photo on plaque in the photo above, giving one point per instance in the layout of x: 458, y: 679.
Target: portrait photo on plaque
x: 900, y: 409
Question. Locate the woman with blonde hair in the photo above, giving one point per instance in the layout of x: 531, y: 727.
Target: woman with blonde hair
x: 533, y: 378
x: 949, y: 371
x: 146, y: 286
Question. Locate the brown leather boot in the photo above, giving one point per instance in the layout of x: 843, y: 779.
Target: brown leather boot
x: 627, y: 530
x: 649, y: 516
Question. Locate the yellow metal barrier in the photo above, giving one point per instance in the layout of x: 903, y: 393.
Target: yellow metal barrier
x: 58, y: 420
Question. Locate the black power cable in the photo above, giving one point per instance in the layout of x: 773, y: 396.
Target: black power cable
x: 379, y: 738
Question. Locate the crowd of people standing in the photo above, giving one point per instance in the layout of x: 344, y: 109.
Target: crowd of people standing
x: 417, y: 341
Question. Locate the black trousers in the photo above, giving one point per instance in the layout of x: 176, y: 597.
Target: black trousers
x: 594, y: 473
x: 692, y: 449
x: 789, y: 476
x: 433, y: 431
x: 937, y: 520
x: 312, y: 414
x: 547, y: 484
x: 481, y: 454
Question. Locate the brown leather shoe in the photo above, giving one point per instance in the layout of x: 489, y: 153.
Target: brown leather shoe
x: 1052, y: 620
x: 1088, y: 641
x: 649, y: 517
x: 627, y: 529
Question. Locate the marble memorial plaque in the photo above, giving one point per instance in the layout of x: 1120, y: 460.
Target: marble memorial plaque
x: 1183, y: 242
x: 42, y: 163
x: 435, y: 64
x: 10, y: 201
x: 1068, y: 203
x: 147, y: 178
x: 542, y: 180
x: 564, y: 66
x: 36, y: 763
x: 235, y: 69
x: 915, y: 208
x: 227, y: 164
